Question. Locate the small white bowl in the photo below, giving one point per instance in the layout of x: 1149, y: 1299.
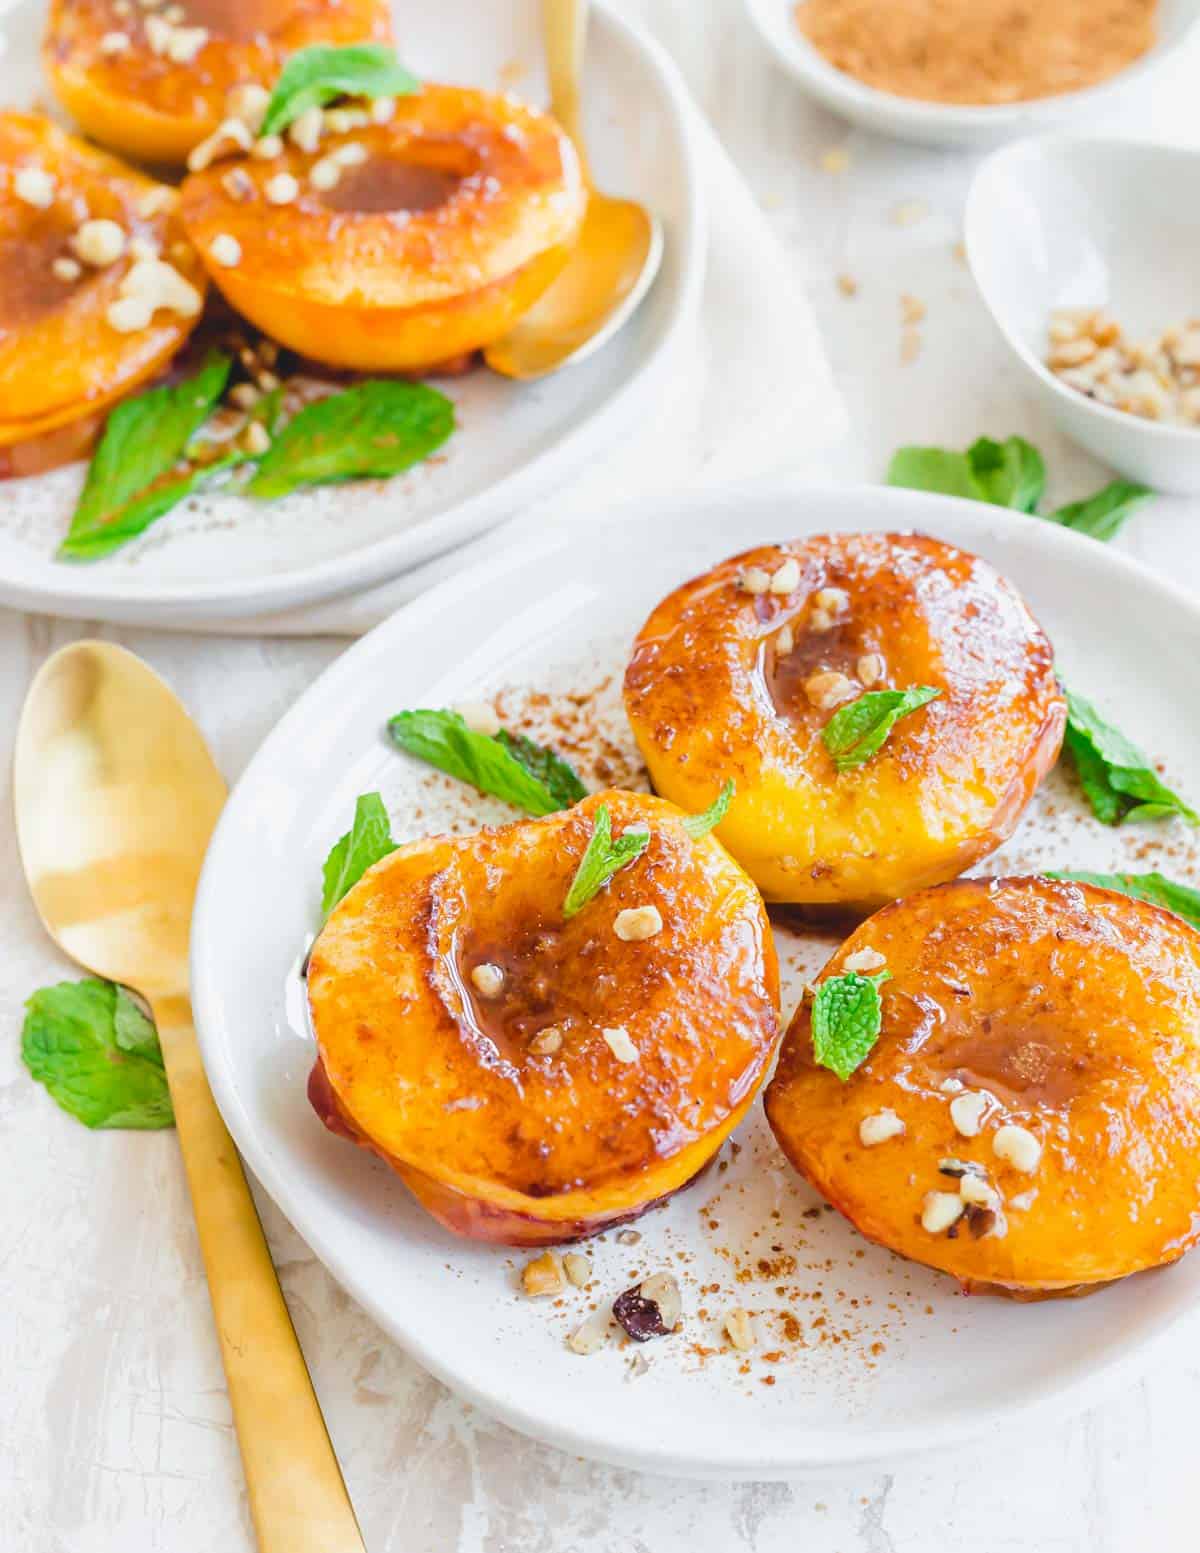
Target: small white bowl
x: 942, y: 124
x: 1066, y: 221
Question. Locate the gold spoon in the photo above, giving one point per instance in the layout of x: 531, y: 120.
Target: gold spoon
x: 618, y: 250
x: 116, y: 797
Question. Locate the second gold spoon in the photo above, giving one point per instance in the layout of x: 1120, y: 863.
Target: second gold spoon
x: 618, y: 251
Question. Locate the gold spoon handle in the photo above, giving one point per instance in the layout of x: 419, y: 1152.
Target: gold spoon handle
x: 564, y: 30
x: 298, y: 1500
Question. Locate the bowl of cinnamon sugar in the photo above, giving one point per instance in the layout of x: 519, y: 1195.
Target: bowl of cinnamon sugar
x: 971, y: 72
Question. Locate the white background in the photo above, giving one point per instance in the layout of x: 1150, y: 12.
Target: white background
x: 116, y: 1431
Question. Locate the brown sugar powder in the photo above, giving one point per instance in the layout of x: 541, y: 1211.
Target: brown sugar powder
x: 979, y: 51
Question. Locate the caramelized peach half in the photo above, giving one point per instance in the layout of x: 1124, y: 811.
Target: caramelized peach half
x: 534, y: 1079
x: 1029, y: 1118
x: 153, y: 88
x: 61, y: 360
x: 737, y: 673
x: 400, y: 245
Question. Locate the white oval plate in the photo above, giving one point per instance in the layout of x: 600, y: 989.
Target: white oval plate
x: 953, y: 124
x: 515, y: 442
x: 558, y: 618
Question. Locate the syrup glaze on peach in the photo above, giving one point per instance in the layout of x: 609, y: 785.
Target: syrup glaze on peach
x: 1075, y: 1012
x: 497, y: 1135
x: 460, y: 214
x: 717, y: 687
x: 155, y: 109
x: 60, y: 360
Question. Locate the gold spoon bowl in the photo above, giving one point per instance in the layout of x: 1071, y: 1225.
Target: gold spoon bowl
x: 116, y: 798
x: 618, y: 251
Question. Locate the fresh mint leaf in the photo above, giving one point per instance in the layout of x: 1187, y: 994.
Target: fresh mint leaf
x: 1153, y: 887
x: 133, y: 1031
x: 1006, y: 474
x: 317, y: 75
x: 934, y: 469
x: 1011, y: 473
x: 859, y: 729
x: 1117, y: 780
x: 144, y: 438
x: 847, y: 1016
x: 443, y: 739
x: 558, y: 776
x: 1103, y: 514
x: 376, y: 428
x: 97, y: 1054
x: 367, y: 841
x: 602, y: 859
x: 698, y: 825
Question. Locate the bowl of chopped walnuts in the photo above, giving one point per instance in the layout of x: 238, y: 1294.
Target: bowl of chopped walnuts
x: 1087, y: 254
x: 971, y: 72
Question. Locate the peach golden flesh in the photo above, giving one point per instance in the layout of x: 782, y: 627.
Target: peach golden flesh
x: 738, y: 673
x: 152, y: 84
x: 1028, y: 1119
x: 533, y: 1078
x: 98, y: 289
x: 396, y: 246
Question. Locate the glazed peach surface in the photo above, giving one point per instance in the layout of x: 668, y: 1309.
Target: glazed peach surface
x: 1029, y: 1118
x: 398, y: 245
x: 152, y: 83
x: 535, y: 1079
x: 737, y: 673
x: 65, y: 207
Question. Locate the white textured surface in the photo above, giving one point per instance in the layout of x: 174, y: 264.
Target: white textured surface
x: 114, y: 1429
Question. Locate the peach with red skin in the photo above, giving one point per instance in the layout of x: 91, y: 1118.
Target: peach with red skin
x: 154, y: 109
x: 711, y: 695
x: 1076, y: 1012
x: 61, y: 361
x: 501, y: 1142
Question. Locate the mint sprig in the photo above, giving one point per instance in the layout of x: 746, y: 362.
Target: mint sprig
x: 366, y: 843
x: 317, y: 75
x: 859, y: 729
x: 1153, y: 887
x: 1117, y: 779
x: 847, y: 1016
x: 698, y: 825
x: 528, y: 775
x: 1103, y: 515
x: 144, y: 438
x: 98, y: 1055
x: 1012, y: 473
x: 373, y: 430
x: 602, y: 859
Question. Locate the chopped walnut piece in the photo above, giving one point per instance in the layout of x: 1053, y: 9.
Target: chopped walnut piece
x: 1018, y: 1147
x: 592, y: 1334
x: 652, y: 1308
x: 864, y: 960
x: 577, y: 1268
x: 487, y: 979
x: 544, y: 1275
x: 754, y: 580
x: 879, y: 1128
x: 940, y: 1210
x: 739, y: 1328
x: 828, y: 689
x: 636, y: 923
x: 618, y: 1042
x: 546, y: 1041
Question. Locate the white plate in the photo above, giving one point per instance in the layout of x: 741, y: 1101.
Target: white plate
x: 514, y: 443
x: 1071, y: 221
x: 561, y: 617
x: 950, y: 124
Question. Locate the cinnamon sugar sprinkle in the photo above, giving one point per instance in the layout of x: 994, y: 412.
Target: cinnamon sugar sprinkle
x: 979, y: 51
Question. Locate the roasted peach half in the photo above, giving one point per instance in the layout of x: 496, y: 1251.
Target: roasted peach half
x: 400, y: 245
x: 737, y: 673
x: 1029, y: 1118
x: 535, y: 1079
x: 73, y: 222
x: 152, y: 86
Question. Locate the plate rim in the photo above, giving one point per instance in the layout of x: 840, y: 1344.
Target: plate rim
x: 812, y: 1451
x: 177, y: 604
